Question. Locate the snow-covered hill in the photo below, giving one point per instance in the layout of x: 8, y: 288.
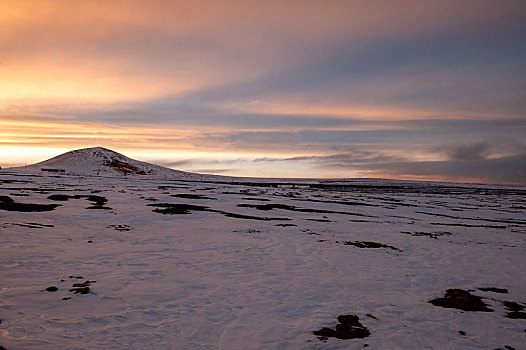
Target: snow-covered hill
x: 105, y: 162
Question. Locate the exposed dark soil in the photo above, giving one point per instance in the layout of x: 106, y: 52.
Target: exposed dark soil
x: 272, y: 206
x: 169, y: 208
x: 433, y: 235
x: 367, y: 244
x: 120, y: 227
x: 7, y: 203
x: 249, y: 217
x: 98, y: 201
x: 513, y: 306
x: 59, y: 197
x: 80, y: 288
x: 467, y: 225
x: 349, y: 327
x: 165, y: 187
x: 125, y: 168
x: 32, y: 225
x: 462, y: 300
x: 493, y: 289
x: 192, y: 196
x: 515, y: 310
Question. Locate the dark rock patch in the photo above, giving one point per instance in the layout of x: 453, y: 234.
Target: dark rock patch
x: 192, y: 196
x: 168, y: 208
x: 99, y: 207
x: 468, y: 225
x: 272, y: 206
x: 250, y: 217
x: 7, y: 203
x: 267, y: 207
x: 368, y: 244
x: 32, y: 225
x: 320, y: 220
x: 60, y: 197
x: 462, y: 332
x: 51, y: 289
x: 513, y: 306
x: 516, y: 315
x: 98, y: 201
x: 81, y: 288
x: 286, y: 225
x: 433, y: 235
x: 349, y: 327
x: 165, y: 187
x: 515, y: 310
x: 309, y: 232
x: 120, y: 227
x: 493, y: 289
x: 462, y: 300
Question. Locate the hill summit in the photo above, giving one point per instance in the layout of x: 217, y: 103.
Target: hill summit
x: 103, y: 161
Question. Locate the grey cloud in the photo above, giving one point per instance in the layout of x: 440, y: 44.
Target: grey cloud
x: 214, y: 171
x: 466, y: 151
x: 423, y: 72
x: 498, y: 170
x: 196, y: 162
x: 344, y: 160
x: 486, y: 137
x: 175, y: 163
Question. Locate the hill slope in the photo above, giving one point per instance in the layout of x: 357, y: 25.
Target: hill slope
x: 103, y: 161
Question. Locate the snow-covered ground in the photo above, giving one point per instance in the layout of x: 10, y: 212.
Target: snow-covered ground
x: 250, y: 266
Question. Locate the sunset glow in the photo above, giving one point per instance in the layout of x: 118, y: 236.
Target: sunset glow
x: 413, y: 90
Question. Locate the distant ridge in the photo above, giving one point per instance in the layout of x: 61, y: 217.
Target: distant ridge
x: 105, y: 162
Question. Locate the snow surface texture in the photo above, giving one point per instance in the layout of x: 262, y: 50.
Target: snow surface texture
x: 256, y: 266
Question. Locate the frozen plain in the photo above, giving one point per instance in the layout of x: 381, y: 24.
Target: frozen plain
x: 252, y: 266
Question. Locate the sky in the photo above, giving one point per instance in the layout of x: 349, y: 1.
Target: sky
x: 427, y: 90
